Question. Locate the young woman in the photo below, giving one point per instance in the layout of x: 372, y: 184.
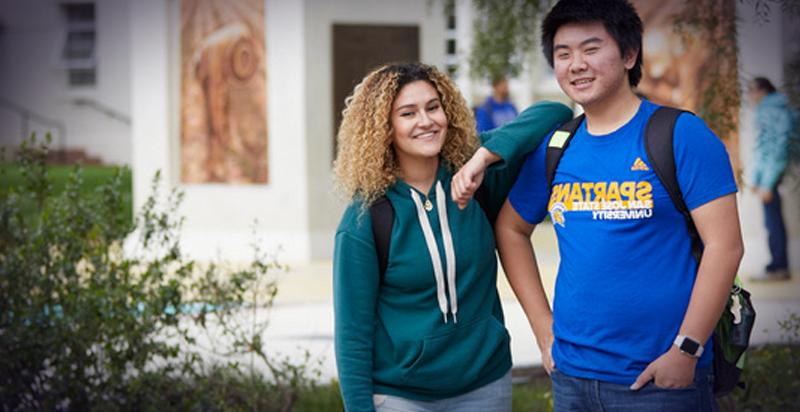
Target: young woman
x: 427, y: 333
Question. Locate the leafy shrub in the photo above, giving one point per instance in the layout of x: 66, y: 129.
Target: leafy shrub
x: 88, y: 321
x: 772, y: 374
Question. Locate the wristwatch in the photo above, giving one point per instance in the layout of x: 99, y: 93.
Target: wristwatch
x: 689, y: 346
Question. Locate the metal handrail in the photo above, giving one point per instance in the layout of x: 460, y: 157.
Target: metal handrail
x: 26, y: 115
x: 102, y: 108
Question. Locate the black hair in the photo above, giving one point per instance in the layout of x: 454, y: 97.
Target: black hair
x: 762, y: 83
x: 497, y: 80
x: 408, y: 72
x: 619, y: 18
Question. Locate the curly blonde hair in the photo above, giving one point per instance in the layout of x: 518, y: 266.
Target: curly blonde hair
x: 365, y: 165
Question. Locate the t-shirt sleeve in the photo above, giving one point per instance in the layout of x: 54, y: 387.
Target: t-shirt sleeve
x: 702, y: 162
x: 530, y: 195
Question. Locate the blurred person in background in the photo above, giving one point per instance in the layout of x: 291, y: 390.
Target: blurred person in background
x: 774, y: 124
x: 498, y: 109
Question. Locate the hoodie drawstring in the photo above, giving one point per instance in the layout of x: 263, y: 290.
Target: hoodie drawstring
x: 433, y: 250
x: 449, y: 253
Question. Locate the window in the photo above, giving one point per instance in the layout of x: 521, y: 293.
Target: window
x: 80, y: 44
x: 451, y: 22
x: 451, y: 51
x: 451, y: 46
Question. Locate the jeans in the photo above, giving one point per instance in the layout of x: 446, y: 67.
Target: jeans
x: 492, y: 397
x: 776, y: 233
x: 588, y: 395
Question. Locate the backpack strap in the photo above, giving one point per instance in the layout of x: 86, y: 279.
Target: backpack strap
x: 658, y: 138
x: 559, y: 141
x: 381, y: 213
x: 482, y: 197
x: 382, y: 216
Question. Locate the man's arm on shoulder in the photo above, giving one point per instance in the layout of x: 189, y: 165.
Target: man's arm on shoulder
x: 519, y: 262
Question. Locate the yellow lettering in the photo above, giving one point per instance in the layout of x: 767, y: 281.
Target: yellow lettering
x: 587, y: 188
x: 613, y: 192
x: 600, y: 191
x: 554, y: 193
x: 627, y: 190
x: 562, y: 194
x: 575, y: 194
x: 644, y: 191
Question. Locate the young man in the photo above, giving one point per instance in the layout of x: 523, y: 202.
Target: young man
x: 630, y: 300
x: 774, y: 124
x: 497, y: 110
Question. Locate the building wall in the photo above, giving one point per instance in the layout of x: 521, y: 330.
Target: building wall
x: 325, y: 208
x: 32, y: 76
x: 756, y: 59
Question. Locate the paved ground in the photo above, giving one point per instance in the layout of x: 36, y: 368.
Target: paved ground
x: 302, y: 319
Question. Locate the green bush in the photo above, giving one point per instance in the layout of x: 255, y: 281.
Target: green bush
x: 772, y: 374
x: 98, y: 312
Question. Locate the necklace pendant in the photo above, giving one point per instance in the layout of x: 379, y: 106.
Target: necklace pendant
x: 428, y: 205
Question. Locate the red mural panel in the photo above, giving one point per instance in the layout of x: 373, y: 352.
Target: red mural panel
x: 223, y: 92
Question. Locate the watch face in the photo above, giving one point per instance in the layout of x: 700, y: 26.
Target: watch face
x: 690, y: 346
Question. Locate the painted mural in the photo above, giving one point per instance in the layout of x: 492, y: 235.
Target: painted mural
x: 673, y: 69
x: 223, y: 125
x: 677, y: 69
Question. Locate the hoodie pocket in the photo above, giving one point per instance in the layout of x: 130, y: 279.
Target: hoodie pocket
x: 459, y: 357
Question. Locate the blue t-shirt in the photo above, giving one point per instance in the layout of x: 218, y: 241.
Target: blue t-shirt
x: 492, y: 114
x: 626, y: 271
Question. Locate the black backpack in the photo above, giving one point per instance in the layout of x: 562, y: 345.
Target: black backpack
x: 731, y: 338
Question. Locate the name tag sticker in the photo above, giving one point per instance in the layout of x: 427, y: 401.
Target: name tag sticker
x: 559, y: 138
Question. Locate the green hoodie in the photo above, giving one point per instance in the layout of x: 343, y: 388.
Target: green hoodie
x: 413, y: 335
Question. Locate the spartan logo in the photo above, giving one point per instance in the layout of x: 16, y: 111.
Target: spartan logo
x: 557, y: 214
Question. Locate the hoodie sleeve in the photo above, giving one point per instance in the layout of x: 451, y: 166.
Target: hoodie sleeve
x: 775, y: 125
x: 355, y: 291
x: 513, y: 142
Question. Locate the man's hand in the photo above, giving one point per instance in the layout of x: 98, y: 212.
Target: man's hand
x: 765, y: 195
x: 470, y: 176
x: 546, y: 347
x: 672, y: 370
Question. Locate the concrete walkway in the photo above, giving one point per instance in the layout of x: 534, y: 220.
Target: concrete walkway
x: 302, y: 318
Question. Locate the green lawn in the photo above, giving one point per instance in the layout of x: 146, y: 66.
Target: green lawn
x: 58, y: 176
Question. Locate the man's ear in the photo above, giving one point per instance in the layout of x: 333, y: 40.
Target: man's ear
x: 630, y: 60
